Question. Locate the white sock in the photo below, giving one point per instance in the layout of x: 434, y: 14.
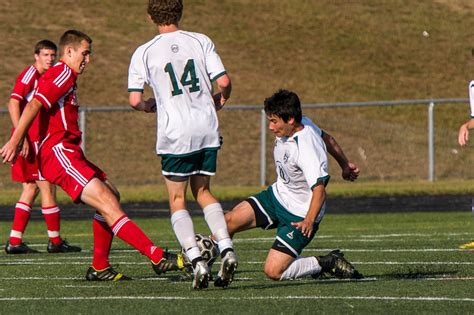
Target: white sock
x: 214, y: 216
x: 301, y: 267
x: 184, y: 230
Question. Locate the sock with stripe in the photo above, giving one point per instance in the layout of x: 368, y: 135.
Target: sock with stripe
x: 52, y: 218
x: 129, y: 232
x: 103, y: 237
x: 20, y: 221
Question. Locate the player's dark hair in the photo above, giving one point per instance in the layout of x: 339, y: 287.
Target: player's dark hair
x: 165, y: 12
x: 45, y: 44
x: 73, y: 37
x: 284, y: 104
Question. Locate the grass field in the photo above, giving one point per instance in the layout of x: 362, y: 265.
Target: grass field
x: 410, y: 261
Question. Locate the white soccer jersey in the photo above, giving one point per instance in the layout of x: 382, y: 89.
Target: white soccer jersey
x: 471, y: 97
x: 301, y: 162
x: 180, y: 67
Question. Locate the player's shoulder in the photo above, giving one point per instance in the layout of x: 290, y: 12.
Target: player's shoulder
x: 200, y: 37
x: 28, y: 74
x: 471, y: 84
x: 308, y: 138
x: 58, y: 74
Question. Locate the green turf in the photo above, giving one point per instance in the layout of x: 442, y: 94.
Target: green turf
x: 411, y: 263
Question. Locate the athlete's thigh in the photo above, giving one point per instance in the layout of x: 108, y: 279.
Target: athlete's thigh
x: 176, y: 194
x: 240, y: 218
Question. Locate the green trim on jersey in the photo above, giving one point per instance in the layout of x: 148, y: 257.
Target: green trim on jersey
x: 135, y: 90
x: 218, y: 76
x: 324, y: 180
x: 202, y: 162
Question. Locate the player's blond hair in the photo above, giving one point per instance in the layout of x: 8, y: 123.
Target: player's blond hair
x: 165, y: 12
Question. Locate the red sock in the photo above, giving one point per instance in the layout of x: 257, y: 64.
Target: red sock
x: 51, y: 217
x: 133, y: 235
x: 103, y: 236
x: 20, y: 221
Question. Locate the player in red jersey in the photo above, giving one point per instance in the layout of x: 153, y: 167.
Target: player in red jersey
x: 25, y: 168
x: 63, y: 163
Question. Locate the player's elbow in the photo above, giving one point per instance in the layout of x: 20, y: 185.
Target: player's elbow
x: 224, y: 82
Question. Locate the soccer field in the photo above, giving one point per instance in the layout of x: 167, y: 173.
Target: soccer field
x: 410, y: 262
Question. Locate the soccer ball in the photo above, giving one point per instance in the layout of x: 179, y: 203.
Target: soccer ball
x: 209, y: 249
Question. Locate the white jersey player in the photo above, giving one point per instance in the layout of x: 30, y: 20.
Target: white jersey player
x: 295, y: 203
x: 181, y: 67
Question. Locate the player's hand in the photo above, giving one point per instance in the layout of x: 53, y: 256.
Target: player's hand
x: 305, y: 227
x: 350, y: 172
x: 25, y: 149
x: 463, y: 135
x: 9, y: 152
x: 150, y: 105
x: 219, y: 101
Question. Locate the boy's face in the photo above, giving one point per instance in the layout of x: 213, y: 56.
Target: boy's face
x: 78, y: 57
x: 45, y: 59
x: 279, y: 127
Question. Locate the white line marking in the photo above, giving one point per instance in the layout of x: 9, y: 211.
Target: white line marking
x: 207, y: 297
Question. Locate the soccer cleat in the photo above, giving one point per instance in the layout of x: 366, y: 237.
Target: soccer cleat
x: 226, y: 273
x: 169, y: 262
x: 342, y: 268
x: 19, y: 249
x: 467, y: 246
x: 63, y: 247
x: 107, y: 274
x: 201, y: 275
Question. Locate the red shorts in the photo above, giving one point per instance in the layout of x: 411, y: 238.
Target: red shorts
x: 65, y: 165
x: 25, y: 170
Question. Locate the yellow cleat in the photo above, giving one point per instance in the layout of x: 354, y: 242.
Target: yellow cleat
x: 467, y: 246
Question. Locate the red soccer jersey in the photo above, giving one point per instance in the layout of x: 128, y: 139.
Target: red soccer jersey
x: 23, y: 91
x: 57, y: 92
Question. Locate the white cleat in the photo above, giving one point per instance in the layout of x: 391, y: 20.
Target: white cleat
x: 201, y: 275
x: 226, y: 273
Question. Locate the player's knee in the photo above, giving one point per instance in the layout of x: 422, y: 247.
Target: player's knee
x: 30, y: 189
x: 272, y: 273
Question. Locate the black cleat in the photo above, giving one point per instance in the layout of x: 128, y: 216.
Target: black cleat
x: 108, y: 274
x: 19, y: 249
x: 63, y: 247
x: 343, y: 269
x: 169, y: 262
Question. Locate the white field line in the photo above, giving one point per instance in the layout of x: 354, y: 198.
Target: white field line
x: 237, y: 279
x: 132, y: 263
x: 248, y: 298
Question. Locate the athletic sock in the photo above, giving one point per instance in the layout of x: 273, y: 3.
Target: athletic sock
x: 129, y: 232
x: 51, y: 217
x: 301, y: 267
x: 184, y: 230
x: 103, y: 237
x: 214, y: 216
x: 20, y: 221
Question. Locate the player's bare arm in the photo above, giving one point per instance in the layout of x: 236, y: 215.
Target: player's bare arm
x: 350, y: 171
x: 15, y: 113
x: 136, y: 101
x: 11, y: 148
x: 317, y: 201
x: 224, y: 86
x: 463, y: 135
